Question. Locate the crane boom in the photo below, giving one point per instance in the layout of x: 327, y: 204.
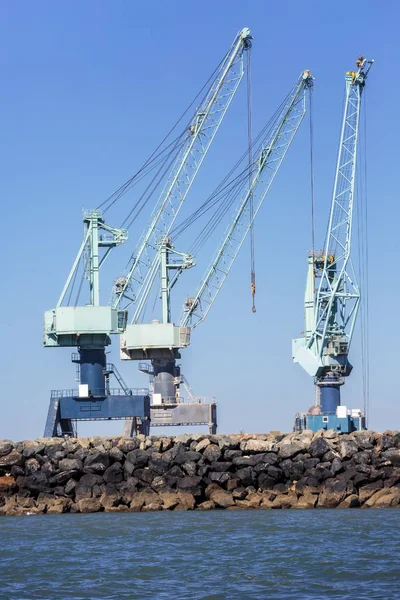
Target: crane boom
x: 200, y: 134
x: 269, y: 158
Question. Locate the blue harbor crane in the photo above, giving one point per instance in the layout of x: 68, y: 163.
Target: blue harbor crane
x: 160, y: 342
x: 88, y: 326
x: 331, y: 304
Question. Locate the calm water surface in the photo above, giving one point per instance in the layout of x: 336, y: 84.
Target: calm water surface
x: 193, y: 555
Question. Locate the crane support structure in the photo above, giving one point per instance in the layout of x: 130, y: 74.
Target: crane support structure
x: 143, y: 264
x: 161, y: 342
x: 331, y: 307
x: 89, y: 326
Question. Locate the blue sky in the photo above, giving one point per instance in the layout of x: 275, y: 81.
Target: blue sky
x: 89, y: 89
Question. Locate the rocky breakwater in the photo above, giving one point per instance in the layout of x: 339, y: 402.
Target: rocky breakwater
x: 194, y: 471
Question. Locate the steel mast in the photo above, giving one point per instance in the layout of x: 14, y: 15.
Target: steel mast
x: 331, y: 307
x: 161, y: 342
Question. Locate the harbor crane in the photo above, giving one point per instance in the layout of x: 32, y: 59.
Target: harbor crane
x: 332, y: 296
x: 160, y: 342
x: 88, y: 326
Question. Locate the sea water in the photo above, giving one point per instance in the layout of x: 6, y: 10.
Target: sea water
x: 216, y: 555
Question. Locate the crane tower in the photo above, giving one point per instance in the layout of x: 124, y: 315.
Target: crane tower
x: 161, y: 342
x: 88, y: 327
x: 332, y: 295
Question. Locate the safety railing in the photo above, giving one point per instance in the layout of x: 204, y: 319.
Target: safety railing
x: 101, y: 393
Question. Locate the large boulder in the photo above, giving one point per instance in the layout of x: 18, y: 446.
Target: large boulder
x: 222, y: 499
x: 13, y: 457
x: 96, y: 462
x: 319, y: 447
x: 253, y: 446
x: 393, y: 455
x: 212, y: 453
x: 89, y: 505
x: 289, y: 450
x: 114, y: 473
x: 70, y: 464
x: 5, y: 447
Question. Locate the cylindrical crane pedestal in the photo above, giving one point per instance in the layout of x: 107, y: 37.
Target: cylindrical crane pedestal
x: 92, y: 366
x: 329, y: 394
x: 165, y: 374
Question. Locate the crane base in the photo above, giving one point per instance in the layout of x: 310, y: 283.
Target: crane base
x: 64, y: 410
x: 176, y: 415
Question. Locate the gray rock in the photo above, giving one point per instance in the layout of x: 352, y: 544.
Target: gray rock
x: 159, y: 466
x: 62, y: 477
x: 200, y: 446
x: 266, y: 482
x: 336, y: 466
x: 227, y: 443
x: 31, y: 449
x: 189, y: 468
x: 96, y: 462
x: 212, y: 453
x: 128, y: 469
x: 203, y: 470
x: 221, y: 467
x: 128, y: 444
x: 347, y: 448
x: 183, y: 457
x: 128, y: 489
x: 171, y: 453
x: 246, y: 475
x: 81, y: 454
x: 54, y: 449
x: 159, y: 483
x: 16, y: 471
x: 218, y: 477
x: 48, y: 469
x: 37, y: 482
x: 393, y: 455
x: 31, y: 466
x: 387, y: 441
x: 184, y: 439
x: 70, y: 464
x: 319, y: 447
x: 189, y: 484
x: 144, y: 475
x: 114, y: 473
x: 290, y: 450
x: 10, y: 459
x: 70, y: 486
x: 244, y: 461
x: 82, y: 492
x: 258, y: 446
x: 231, y: 454
x: 364, y: 439
x: 116, y: 454
x: 275, y: 472
x: 5, y: 447
x: 91, y: 479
